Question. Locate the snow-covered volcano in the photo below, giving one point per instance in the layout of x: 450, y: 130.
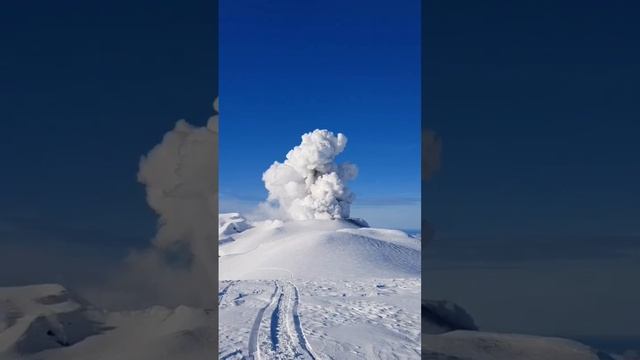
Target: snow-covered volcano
x: 315, y: 249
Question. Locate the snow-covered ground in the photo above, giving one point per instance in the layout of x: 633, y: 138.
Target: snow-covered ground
x: 46, y: 322
x: 312, y: 319
x: 313, y: 289
x: 333, y: 289
x: 318, y: 289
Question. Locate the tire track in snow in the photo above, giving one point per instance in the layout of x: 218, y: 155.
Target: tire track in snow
x: 298, y: 324
x: 285, y: 338
x: 254, y: 347
x: 276, y: 328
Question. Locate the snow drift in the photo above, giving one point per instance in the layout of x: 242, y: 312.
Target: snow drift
x: 310, y: 184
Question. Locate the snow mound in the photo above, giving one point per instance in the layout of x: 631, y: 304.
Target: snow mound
x: 230, y: 224
x: 319, y: 249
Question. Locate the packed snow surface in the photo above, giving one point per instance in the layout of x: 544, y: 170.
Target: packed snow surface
x: 320, y: 319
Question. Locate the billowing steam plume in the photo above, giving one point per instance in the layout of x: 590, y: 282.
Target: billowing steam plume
x: 180, y: 267
x: 181, y: 182
x: 309, y: 184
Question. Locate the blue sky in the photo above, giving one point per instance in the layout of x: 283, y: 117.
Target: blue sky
x: 289, y: 67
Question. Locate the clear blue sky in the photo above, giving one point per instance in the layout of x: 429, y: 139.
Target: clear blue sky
x: 289, y: 67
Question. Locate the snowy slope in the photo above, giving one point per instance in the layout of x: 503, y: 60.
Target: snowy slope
x: 319, y: 249
x: 46, y: 322
x: 318, y: 289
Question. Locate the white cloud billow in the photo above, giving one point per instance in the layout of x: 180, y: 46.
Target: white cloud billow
x: 180, y: 266
x: 310, y: 184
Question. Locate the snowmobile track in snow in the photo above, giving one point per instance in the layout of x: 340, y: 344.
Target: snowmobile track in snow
x: 284, y: 338
x: 296, y: 319
x: 254, y: 351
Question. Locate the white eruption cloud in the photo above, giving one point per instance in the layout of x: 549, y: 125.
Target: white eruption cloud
x: 180, y: 177
x: 310, y: 184
x: 181, y: 183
